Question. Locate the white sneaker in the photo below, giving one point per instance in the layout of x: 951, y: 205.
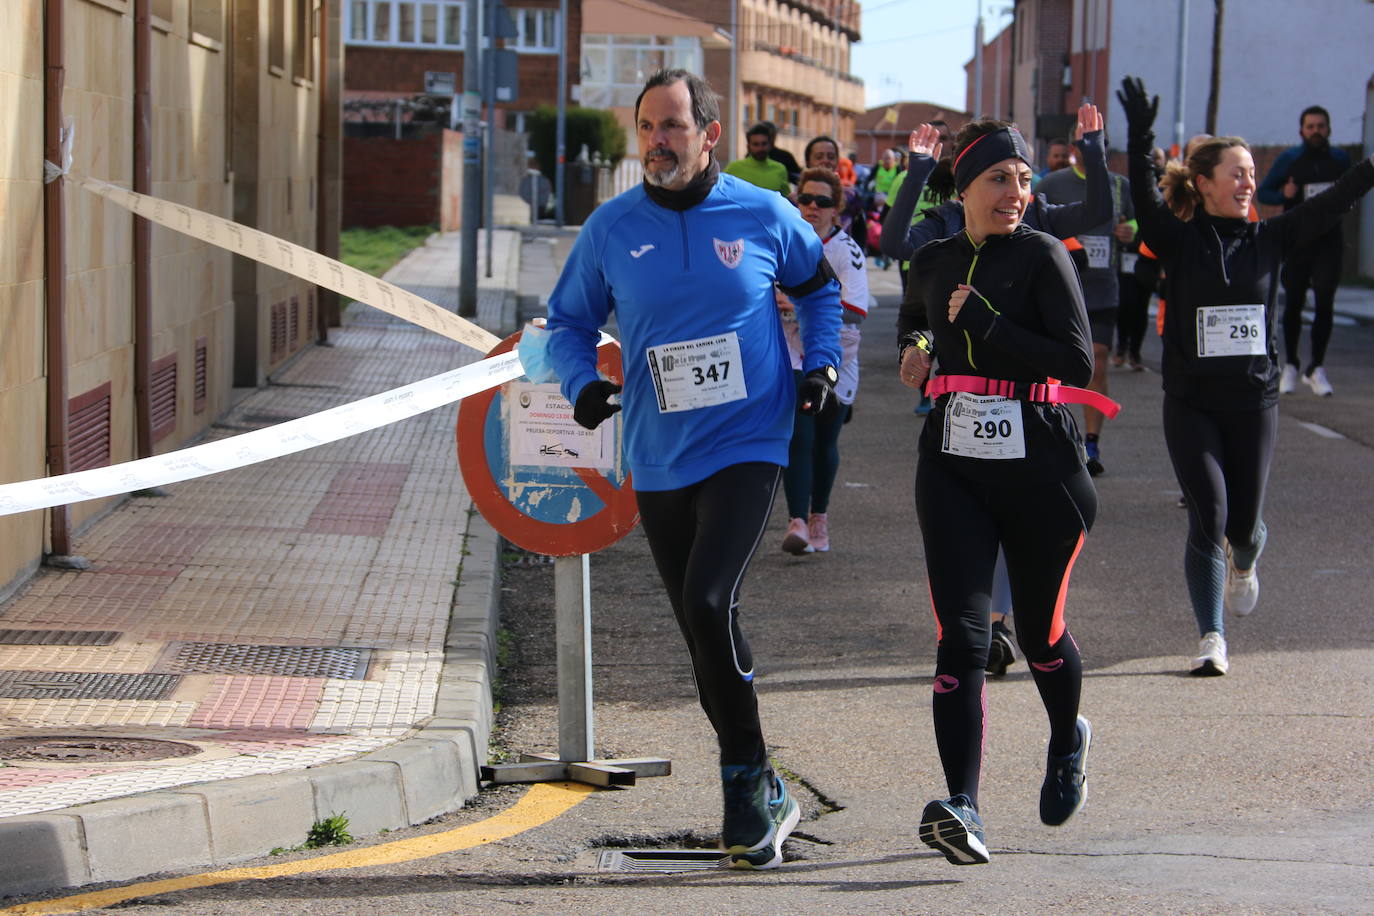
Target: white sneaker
x: 1242, y: 588
x: 1211, y: 656
x: 1316, y: 380
x: 1288, y: 379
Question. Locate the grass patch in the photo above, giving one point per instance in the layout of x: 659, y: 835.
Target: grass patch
x: 375, y: 251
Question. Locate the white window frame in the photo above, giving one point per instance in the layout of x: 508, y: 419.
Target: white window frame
x: 611, y: 44
x: 393, y: 40
x: 546, y: 20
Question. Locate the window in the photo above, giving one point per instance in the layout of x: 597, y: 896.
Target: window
x: 431, y: 23
x: 302, y: 66
x: 276, y: 36
x: 538, y: 30
x: 614, y: 67
x: 207, y: 20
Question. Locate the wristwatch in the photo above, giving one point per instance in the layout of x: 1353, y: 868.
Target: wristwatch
x: 828, y: 373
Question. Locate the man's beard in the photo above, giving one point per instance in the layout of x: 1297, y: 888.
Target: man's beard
x: 662, y: 179
x: 1317, y: 143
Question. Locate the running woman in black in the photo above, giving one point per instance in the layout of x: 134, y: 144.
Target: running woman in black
x: 1000, y: 462
x: 1220, y: 364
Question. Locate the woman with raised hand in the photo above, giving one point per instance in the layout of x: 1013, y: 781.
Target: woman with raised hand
x: 1220, y: 363
x: 1000, y: 462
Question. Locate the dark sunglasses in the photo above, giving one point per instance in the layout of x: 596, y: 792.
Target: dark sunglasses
x: 816, y: 199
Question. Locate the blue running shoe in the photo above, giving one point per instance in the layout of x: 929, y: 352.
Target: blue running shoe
x: 953, y: 827
x: 1066, y: 780
x: 759, y: 815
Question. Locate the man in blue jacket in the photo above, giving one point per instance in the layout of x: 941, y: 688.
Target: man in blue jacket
x: 688, y: 261
x: 1299, y: 173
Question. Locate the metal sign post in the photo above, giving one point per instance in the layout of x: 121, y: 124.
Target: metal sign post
x: 572, y: 591
x: 552, y: 487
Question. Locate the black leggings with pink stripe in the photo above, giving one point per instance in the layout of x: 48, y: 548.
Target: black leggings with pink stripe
x: 1041, y: 527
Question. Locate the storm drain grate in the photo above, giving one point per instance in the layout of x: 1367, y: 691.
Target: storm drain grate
x: 58, y: 637
x: 662, y: 860
x: 284, y: 661
x: 85, y: 685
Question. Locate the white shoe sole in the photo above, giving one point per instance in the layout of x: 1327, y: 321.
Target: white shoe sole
x: 780, y: 835
x: 942, y: 830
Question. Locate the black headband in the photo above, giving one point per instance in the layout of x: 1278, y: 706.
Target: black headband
x: 988, y: 150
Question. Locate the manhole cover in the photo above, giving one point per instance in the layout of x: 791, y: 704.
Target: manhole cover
x: 57, y: 637
x: 87, y: 749
x: 284, y: 661
x: 85, y: 685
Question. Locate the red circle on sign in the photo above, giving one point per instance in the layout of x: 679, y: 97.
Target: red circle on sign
x: 618, y: 516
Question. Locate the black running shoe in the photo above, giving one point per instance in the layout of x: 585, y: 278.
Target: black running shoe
x: 1094, y: 458
x: 953, y: 827
x: 1001, y: 650
x: 759, y: 815
x: 1066, y: 780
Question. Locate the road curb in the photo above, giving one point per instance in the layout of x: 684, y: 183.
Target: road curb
x: 219, y: 823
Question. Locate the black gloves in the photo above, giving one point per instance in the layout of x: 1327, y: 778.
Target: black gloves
x: 591, y: 407
x: 1140, y: 111
x: 817, y: 392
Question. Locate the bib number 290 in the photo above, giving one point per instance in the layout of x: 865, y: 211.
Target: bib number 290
x: 992, y: 429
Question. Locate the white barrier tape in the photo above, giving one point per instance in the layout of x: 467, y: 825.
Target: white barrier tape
x: 263, y: 444
x: 295, y: 260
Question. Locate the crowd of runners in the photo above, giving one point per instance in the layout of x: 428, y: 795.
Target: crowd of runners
x: 739, y: 293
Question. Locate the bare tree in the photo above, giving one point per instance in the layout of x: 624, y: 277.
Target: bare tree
x: 1214, y: 93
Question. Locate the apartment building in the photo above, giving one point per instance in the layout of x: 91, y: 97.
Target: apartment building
x: 124, y: 340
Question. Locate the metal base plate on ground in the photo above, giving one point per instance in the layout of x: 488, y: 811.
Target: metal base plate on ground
x: 548, y: 768
x: 662, y: 861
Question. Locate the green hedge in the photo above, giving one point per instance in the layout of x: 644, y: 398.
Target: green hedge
x: 595, y: 127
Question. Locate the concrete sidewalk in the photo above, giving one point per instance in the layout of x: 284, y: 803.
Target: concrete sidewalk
x: 305, y: 636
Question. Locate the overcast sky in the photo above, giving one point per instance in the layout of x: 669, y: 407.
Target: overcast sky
x: 915, y: 50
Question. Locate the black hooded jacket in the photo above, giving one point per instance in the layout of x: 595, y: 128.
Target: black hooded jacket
x: 1214, y: 261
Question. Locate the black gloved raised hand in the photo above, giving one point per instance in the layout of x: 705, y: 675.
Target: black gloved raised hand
x: 592, y: 408
x: 817, y: 392
x: 1141, y: 109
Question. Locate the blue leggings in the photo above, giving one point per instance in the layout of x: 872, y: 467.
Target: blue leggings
x: 1222, y: 460
x: 813, y: 460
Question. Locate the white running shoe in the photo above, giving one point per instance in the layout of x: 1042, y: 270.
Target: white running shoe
x: 1242, y: 588
x: 1316, y: 380
x: 1211, y: 656
x: 1288, y: 379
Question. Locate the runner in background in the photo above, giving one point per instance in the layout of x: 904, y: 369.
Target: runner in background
x: 1097, y: 256
x: 1220, y: 362
x: 1300, y: 173
x: 814, y: 457
x: 688, y: 261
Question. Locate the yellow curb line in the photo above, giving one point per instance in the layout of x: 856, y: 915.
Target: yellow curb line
x: 541, y: 804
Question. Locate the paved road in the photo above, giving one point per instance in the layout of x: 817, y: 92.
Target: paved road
x: 1244, y: 794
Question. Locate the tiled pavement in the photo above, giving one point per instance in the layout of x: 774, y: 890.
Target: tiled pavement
x: 320, y: 585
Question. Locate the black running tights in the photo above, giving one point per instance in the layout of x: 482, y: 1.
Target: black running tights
x: 702, y: 537
x: 1041, y: 526
x: 1320, y: 269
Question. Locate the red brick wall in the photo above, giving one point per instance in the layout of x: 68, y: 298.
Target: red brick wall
x: 389, y: 182
x: 402, y: 70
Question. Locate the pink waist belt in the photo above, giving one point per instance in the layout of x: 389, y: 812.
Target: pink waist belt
x: 1036, y: 392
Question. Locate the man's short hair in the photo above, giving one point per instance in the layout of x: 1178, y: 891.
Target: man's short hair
x: 1314, y: 110
x: 705, y: 108
x: 1060, y: 141
x: 760, y: 130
